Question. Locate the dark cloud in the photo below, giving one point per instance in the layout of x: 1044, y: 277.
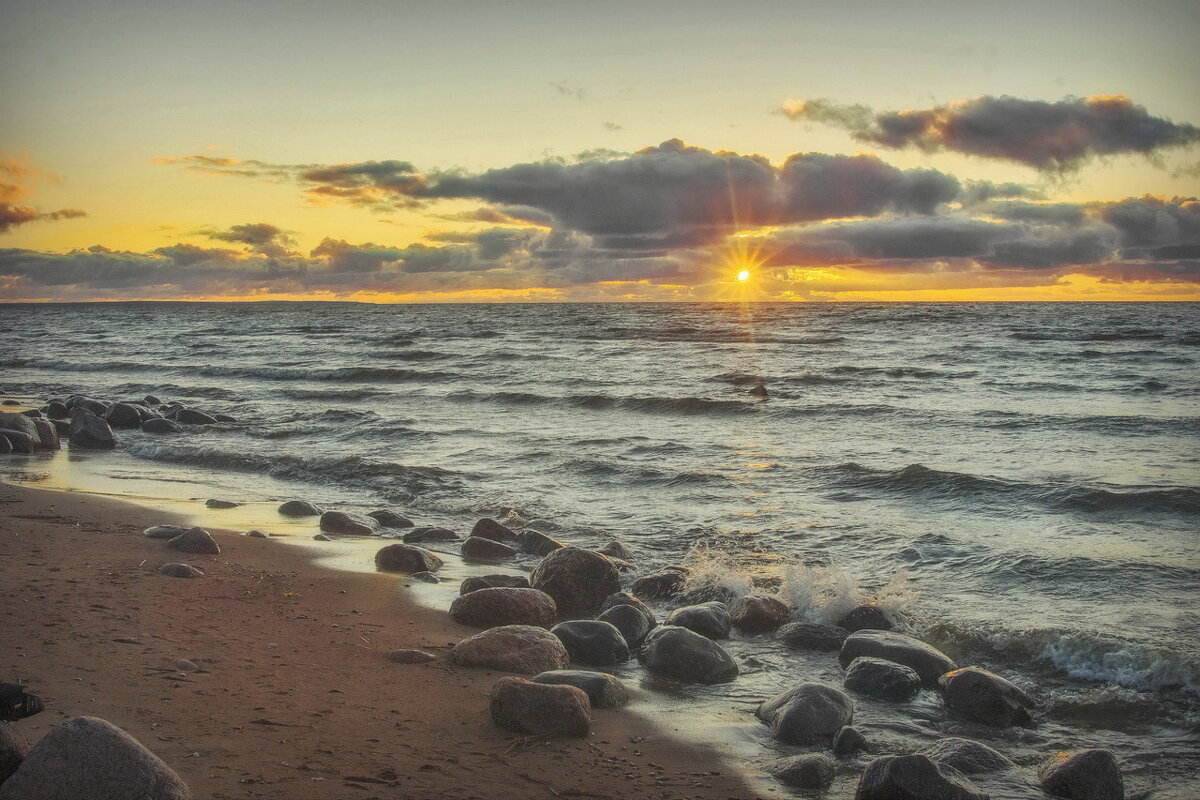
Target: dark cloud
x: 374, y: 184
x: 1155, y: 221
x: 15, y: 176
x: 1018, y: 211
x: 1052, y: 136
x: 817, y: 186
x: 260, y: 237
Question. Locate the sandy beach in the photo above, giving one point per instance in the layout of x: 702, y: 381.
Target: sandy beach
x: 294, y: 695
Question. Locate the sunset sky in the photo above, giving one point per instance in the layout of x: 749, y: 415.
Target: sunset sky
x: 541, y: 151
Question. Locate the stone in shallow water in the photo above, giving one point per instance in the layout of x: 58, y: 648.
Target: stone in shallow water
x: 686, y: 656
x: 577, y: 579
x: 474, y: 584
x: 476, y: 548
x: 391, y: 519
x: 848, y: 741
x: 884, y: 679
x: 810, y: 713
x: 490, y: 529
x: 214, y: 503
x: 928, y: 662
x: 707, y: 619
x: 406, y: 558
x: 808, y: 771
x: 758, y: 613
x: 345, y: 523
x: 1083, y: 775
x: 589, y: 641
x: 629, y: 620
x: 967, y: 756
x: 986, y: 697
x: 914, y: 777
x: 812, y: 636
x: 300, y: 508
x: 661, y: 585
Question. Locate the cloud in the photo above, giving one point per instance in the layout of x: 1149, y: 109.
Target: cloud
x: 1155, y: 222
x: 15, y: 175
x: 261, y: 237
x: 1050, y: 136
x: 817, y: 186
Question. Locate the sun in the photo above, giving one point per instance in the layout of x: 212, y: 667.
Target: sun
x: 743, y: 276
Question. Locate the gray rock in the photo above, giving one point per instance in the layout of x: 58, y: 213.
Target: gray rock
x: 477, y: 582
x: 486, y: 551
x: 985, y: 697
x: 967, y: 756
x: 707, y: 619
x: 490, y: 608
x: 406, y: 558
x: 490, y: 529
x: 86, y: 758
x: 847, y: 741
x: 12, y: 751
x: 411, y: 657
x: 391, y: 519
x: 18, y: 441
x: 577, y: 579
x: 224, y: 418
x: 590, y: 642
x: 5, y: 444
x: 1083, y: 775
x: 180, y: 571
x: 323, y: 537
x: 706, y: 593
x: 603, y: 690
x: 661, y: 585
x: 686, y: 656
x: 629, y: 620
x: 758, y: 613
x: 196, y: 540
x: 812, y: 636
x: 883, y: 679
x: 190, y: 416
x: 615, y: 549
x: 345, y: 523
x: 90, y: 432
x: 928, y: 662
x: 914, y: 777
x: 866, y: 617
x: 257, y: 534
x: 160, y: 425
x: 56, y: 409
x: 430, y: 533
x: 123, y: 415
x: 151, y: 400
x: 212, y: 503
x: 425, y: 577
x: 164, y: 531
x: 540, y: 709
x: 48, y: 434
x: 626, y: 599
x: 808, y: 771
x: 300, y: 508
x: 810, y: 713
x: 21, y: 424
x: 512, y: 648
x: 536, y: 543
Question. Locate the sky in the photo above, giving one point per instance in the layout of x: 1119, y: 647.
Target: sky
x: 513, y: 150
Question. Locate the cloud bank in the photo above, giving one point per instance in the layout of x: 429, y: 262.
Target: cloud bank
x: 15, y: 176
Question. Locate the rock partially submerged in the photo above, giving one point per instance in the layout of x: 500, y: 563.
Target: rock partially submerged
x: 847, y: 741
x: 686, y: 656
x: 195, y: 540
x: 536, y: 543
x: 661, y: 585
x: 345, y: 523
x: 926, y: 660
x: 388, y: 518
x: 161, y: 425
x: 540, y: 709
x: 490, y: 608
x: 590, y: 642
x: 406, y: 558
x: 812, y: 636
x: 300, y: 508
x: 865, y: 617
x: 512, y: 648
x: 883, y: 679
x: 487, y: 551
x: 810, y: 713
x: 578, y: 580
x: 986, y: 697
x: 630, y: 621
x: 477, y: 582
x: 707, y: 619
x: 967, y: 756
x: 755, y: 613
x: 431, y: 533
x: 90, y: 432
x: 490, y: 529
x: 808, y: 771
x: 603, y: 690
x: 1083, y: 775
x: 914, y: 777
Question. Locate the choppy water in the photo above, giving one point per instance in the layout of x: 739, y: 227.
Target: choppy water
x: 1022, y: 481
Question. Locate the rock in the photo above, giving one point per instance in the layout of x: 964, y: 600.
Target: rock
x: 967, y: 756
x: 540, y: 709
x: 390, y: 519
x: 344, y: 523
x: 220, y: 504
x: 160, y: 425
x: 18, y: 441
x: 686, y: 656
x: 62, y: 427
x: 190, y: 416
x: 478, y: 582
x: 165, y: 531
x: 23, y: 425
x: 928, y: 662
x: 865, y: 618
x: 123, y: 415
x: 615, y: 549
x: 512, y: 648
x: 914, y: 777
x: 577, y: 579
x: 5, y: 445
x: 626, y: 599
x: 629, y: 620
x: 603, y: 690
x: 490, y: 529
x: 811, y: 636
x: 490, y: 608
x: 427, y: 533
x: 88, y: 403
x: 411, y: 657
x: 707, y: 619
x: 810, y: 713
x: 536, y: 543
x: 661, y: 585
x: 758, y: 613
x: 323, y: 537
x: 180, y: 571
x: 706, y: 593
x: 183, y: 665
x: 808, y: 771
x: 48, y: 434
x: 85, y: 758
x: 151, y: 400
x: 406, y: 558
x: 224, y: 418
x: 195, y: 540
x: 300, y: 508
x: 883, y: 679
x: 12, y: 751
x: 257, y: 534
x: 32, y: 413
x: 425, y: 577
x: 11, y: 403
x: 478, y: 549
x: 90, y: 432
x: 985, y: 697
x: 847, y: 741
x: 1083, y: 775
x: 56, y: 409
x: 588, y: 641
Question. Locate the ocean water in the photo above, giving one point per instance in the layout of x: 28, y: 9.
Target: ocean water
x: 1018, y: 483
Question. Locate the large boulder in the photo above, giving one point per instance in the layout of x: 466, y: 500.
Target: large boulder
x: 48, y: 434
x: 56, y: 409
x: 883, y: 679
x: 490, y: 529
x: 23, y: 425
x: 536, y: 543
x: 85, y: 758
x: 812, y: 636
x: 12, y: 751
x: 603, y: 690
x: 160, y: 425
x: 865, y: 617
x: 591, y: 642
x: 707, y: 619
x: 90, y: 432
x: 431, y: 533
x: 388, y: 518
x: 847, y: 742
x: 928, y: 662
x: 986, y: 697
x: 967, y: 756
x: 1083, y: 775
x: 406, y: 558
x: 577, y: 579
x: 808, y: 771
x: 914, y: 777
x: 686, y: 656
x: 627, y: 599
x: 629, y: 620
x: 300, y: 508
x: 18, y: 441
x: 195, y: 540
x: 540, y: 709
x: 661, y: 585
x: 190, y: 416
x: 345, y: 523
x: 487, y: 551
x: 810, y: 713
x: 512, y: 648
x: 477, y: 582
x: 756, y: 613
x: 490, y: 608
x: 5, y: 444
x: 123, y: 415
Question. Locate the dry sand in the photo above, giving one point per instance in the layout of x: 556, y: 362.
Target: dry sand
x: 295, y: 696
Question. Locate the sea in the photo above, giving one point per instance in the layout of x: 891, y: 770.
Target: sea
x: 1016, y: 483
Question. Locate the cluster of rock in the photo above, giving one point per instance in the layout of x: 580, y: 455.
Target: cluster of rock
x: 184, y: 540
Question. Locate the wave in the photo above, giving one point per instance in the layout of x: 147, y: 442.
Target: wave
x: 637, y: 475
x: 600, y: 402
x: 345, y: 374
x: 1125, y: 335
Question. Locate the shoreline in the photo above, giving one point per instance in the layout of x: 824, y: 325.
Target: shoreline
x: 295, y: 693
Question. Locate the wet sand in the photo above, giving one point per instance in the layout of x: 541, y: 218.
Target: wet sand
x: 295, y: 695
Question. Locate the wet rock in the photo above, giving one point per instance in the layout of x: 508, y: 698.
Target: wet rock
x: 195, y: 540
x: 90, y: 432
x: 914, y: 777
x: 430, y: 533
x: 928, y: 662
x: 490, y: 529
x: 1083, y: 775
x: 615, y: 549
x: 164, y: 531
x: 986, y: 697
x: 808, y: 771
x: 212, y: 503
x: 322, y: 537
x: 190, y: 416
x: 388, y: 518
x: 540, y: 709
x: 513, y: 648
x: 848, y: 741
x: 603, y: 690
x: 967, y: 756
x: 411, y: 657
x: 627, y: 599
x: 707, y: 619
x: 490, y: 608
x: 56, y: 409
x: 812, y: 636
x: 123, y: 415
x: 577, y: 579
x: 866, y: 617
x: 344, y: 523
x: 661, y: 585
x: 224, y: 418
x: 12, y: 752
x: 536, y: 543
x: 590, y: 642
x: 406, y: 558
x: 425, y: 577
x: 19, y: 441
x: 706, y: 593
x: 5, y: 445
x: 686, y: 656
x: 25, y: 429
x: 257, y: 534
x: 810, y: 713
x: 88, y: 403
x: 180, y: 571
x: 151, y: 400
x: 883, y: 679
x: 160, y: 425
x: 487, y: 551
x: 758, y: 613
x: 86, y: 758
x: 478, y: 582
x: 629, y: 620
x: 48, y: 434
x: 300, y: 508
